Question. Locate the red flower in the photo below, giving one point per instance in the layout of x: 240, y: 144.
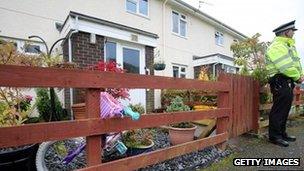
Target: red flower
x: 112, y: 66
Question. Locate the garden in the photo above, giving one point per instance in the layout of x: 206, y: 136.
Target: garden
x: 193, y: 120
x: 19, y: 108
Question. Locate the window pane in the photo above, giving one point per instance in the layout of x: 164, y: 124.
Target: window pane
x: 182, y: 28
x: 32, y: 49
x: 221, y: 39
x: 175, y: 19
x: 143, y: 7
x: 217, y: 38
x: 131, y: 60
x: 131, y: 6
x: 183, y: 69
x: 175, y: 71
x: 110, y: 51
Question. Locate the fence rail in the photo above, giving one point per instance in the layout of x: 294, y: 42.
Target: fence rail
x: 20, y: 76
x: 298, y: 93
x: 93, y: 127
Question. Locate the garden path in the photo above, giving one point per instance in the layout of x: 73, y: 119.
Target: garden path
x: 248, y: 146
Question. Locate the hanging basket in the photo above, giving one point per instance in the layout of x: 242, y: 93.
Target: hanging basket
x: 159, y: 66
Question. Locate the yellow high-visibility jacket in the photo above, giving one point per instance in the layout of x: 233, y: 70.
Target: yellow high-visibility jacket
x: 282, y: 58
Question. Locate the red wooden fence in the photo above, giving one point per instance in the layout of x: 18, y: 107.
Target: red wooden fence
x: 297, y: 100
x: 245, y: 106
x: 237, y: 111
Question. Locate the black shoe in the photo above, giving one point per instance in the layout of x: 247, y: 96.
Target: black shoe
x: 279, y: 142
x: 290, y: 138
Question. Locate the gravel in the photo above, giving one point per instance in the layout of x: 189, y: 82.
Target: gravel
x: 191, y: 161
x: 53, y: 160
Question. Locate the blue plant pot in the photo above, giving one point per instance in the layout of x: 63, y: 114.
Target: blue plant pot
x: 132, y: 151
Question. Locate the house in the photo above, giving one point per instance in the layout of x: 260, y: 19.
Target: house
x: 128, y: 31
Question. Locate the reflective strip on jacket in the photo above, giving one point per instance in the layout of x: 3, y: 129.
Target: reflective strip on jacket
x: 282, y: 57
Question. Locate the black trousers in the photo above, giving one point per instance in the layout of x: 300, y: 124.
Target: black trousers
x: 282, y: 90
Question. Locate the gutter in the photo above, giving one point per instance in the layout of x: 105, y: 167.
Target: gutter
x: 213, y: 68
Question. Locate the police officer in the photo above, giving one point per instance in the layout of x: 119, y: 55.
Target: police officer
x: 284, y: 67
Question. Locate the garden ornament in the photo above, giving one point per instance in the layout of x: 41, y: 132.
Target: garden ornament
x: 109, y: 108
x: 73, y: 153
x: 128, y: 112
x: 113, y: 142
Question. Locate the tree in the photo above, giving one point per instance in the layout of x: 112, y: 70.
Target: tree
x: 250, y: 55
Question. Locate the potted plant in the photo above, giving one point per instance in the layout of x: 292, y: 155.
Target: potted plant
x: 181, y: 132
x: 159, y: 65
x: 118, y: 93
x: 138, y: 141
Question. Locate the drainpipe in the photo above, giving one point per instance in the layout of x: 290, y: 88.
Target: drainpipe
x: 71, y: 60
x: 213, y: 68
x: 164, y: 29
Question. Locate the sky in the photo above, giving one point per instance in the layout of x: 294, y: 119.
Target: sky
x: 257, y: 16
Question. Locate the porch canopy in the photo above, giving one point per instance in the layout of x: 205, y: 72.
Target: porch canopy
x: 215, y: 61
x: 81, y: 22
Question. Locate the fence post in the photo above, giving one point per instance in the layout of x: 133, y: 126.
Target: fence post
x: 224, y: 101
x: 93, y: 143
x: 256, y: 106
x: 298, y: 93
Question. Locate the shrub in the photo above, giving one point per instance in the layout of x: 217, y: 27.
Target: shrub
x: 14, y: 107
x: 137, y: 108
x: 189, y: 97
x: 44, y: 106
x: 178, y: 105
x: 138, y: 137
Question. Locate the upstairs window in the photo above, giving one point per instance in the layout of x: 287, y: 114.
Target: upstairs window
x: 179, y: 71
x: 137, y: 6
x: 219, y: 38
x: 179, y: 24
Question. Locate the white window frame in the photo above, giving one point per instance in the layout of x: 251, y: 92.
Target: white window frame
x: 119, y: 52
x: 137, y: 8
x: 219, y: 40
x: 179, y: 24
x: 180, y: 72
x: 105, y: 50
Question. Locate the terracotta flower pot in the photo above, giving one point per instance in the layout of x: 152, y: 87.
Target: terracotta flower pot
x: 79, y: 111
x: 181, y: 135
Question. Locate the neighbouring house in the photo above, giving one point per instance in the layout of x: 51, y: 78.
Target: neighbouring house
x: 130, y: 32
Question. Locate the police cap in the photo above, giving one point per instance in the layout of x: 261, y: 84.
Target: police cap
x: 290, y: 25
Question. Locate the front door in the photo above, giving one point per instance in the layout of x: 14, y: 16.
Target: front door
x: 131, y: 58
